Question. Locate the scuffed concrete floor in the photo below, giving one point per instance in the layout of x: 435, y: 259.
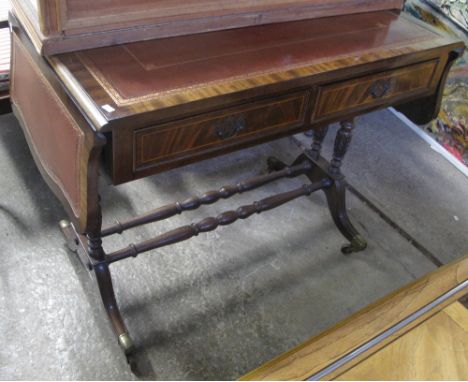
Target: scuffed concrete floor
x: 224, y: 303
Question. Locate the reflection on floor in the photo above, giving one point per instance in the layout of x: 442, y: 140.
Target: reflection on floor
x: 435, y: 350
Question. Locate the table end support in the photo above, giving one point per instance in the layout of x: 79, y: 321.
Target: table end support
x: 342, y: 143
x: 91, y: 254
x: 336, y: 193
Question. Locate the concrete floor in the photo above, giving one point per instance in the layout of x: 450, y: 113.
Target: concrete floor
x: 224, y: 303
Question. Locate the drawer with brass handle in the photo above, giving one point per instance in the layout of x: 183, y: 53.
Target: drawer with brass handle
x: 230, y: 126
x: 383, y: 87
x: 371, y: 91
x: 218, y: 130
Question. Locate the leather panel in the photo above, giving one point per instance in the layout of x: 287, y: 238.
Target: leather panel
x: 52, y: 132
x: 141, y: 71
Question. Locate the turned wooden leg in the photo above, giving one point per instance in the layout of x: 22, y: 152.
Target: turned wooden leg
x: 104, y: 281
x: 342, y: 142
x: 319, y: 136
x: 106, y: 289
x: 336, y: 195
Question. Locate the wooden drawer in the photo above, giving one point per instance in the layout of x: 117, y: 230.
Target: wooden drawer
x: 374, y: 90
x: 219, y: 130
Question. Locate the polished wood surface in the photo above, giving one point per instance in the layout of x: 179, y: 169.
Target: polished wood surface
x: 375, y: 89
x: 436, y: 350
x: 70, y: 25
x: 170, y: 96
x: 152, y: 78
x: 216, y: 131
x: 166, y: 103
x: 334, y: 343
x: 179, y: 138
x: 207, y: 198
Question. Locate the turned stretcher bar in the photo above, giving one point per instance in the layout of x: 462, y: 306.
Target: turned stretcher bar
x: 207, y: 198
x: 211, y: 223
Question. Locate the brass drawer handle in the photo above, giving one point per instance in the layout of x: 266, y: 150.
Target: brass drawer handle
x: 382, y: 88
x: 230, y: 127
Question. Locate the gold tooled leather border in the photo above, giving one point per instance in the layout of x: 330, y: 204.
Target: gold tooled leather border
x: 246, y: 81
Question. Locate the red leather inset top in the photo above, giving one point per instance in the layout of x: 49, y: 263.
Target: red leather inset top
x: 157, y: 66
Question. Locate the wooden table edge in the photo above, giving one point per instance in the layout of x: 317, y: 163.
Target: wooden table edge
x: 328, y: 348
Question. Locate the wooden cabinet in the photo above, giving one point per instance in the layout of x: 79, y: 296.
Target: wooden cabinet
x: 68, y: 25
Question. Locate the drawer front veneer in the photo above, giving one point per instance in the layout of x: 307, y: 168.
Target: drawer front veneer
x: 218, y: 130
x: 374, y: 90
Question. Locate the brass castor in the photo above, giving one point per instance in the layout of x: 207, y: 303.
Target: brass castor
x: 126, y: 343
x: 358, y: 244
x: 128, y: 348
x: 70, y: 237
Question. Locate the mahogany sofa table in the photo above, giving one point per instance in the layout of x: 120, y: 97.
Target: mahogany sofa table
x: 146, y: 107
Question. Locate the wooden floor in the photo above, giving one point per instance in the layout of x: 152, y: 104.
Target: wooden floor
x: 419, y: 332
x: 437, y: 349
